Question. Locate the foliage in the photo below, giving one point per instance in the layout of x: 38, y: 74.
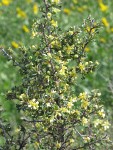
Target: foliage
x: 50, y: 114
x: 13, y: 33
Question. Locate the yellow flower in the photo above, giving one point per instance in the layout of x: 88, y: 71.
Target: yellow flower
x: 35, y: 8
x: 14, y: 44
x: 58, y: 114
x: 87, y: 49
x: 6, y: 2
x: 49, y: 55
x: 54, y: 23
x: 33, y: 104
x: 23, y: 96
x: 69, y: 104
x: 103, y: 7
x: 80, y: 9
x: 51, y: 37
x: 112, y: 29
x: 77, y: 112
x: 55, y: 1
x: 55, y: 10
x: 38, y: 125
x: 48, y: 104
x: 75, y: 1
x: 97, y: 122
x: 55, y: 43
x: 52, y: 119
x: 66, y: 11
x: 62, y: 71
x: 73, y: 99
x: 58, y: 145
x: 25, y: 28
x: 90, y: 30
x: 71, y: 140
x: 81, y: 66
x: 17, y: 130
x: 101, y: 113
x: 49, y: 15
x: 105, y: 22
x: 69, y: 48
x: 102, y: 40
x: 34, y: 34
x: 36, y: 144
x: 73, y: 74
x: 100, y: 1
x: 86, y: 139
x: 84, y: 104
x: 106, y: 125
x: 82, y: 96
x: 71, y: 32
x: 97, y: 63
x: 63, y: 109
x: 84, y: 121
x: 21, y: 13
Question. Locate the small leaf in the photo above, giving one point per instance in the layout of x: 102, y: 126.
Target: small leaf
x: 2, y: 141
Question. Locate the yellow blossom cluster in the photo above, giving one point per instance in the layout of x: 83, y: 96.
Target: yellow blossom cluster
x: 55, y: 1
x: 6, y: 2
x: 21, y: 13
x: 67, y: 11
x: 25, y: 28
x: 33, y: 104
x: 14, y: 44
x: 54, y: 23
x: 35, y: 8
x: 105, y: 22
x: 103, y: 7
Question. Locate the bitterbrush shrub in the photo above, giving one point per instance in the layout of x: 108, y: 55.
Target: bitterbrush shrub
x: 52, y: 115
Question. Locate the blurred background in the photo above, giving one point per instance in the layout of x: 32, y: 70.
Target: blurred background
x: 16, y: 19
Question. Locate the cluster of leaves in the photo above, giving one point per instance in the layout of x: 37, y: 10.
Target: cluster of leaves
x: 52, y: 115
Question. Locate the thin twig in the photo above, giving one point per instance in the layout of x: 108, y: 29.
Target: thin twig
x: 9, y: 57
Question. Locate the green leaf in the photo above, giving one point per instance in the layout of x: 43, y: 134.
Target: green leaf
x: 2, y: 141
